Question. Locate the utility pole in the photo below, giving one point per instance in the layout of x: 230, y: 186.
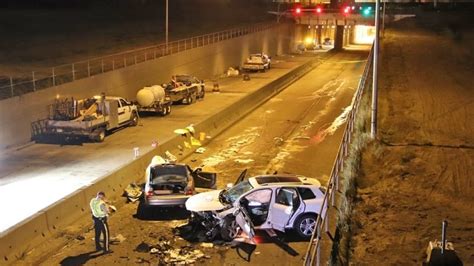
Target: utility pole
x: 166, y: 26
x: 373, y: 122
x: 383, y: 18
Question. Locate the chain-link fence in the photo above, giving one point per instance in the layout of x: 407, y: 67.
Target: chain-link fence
x: 322, y: 232
x: 42, y: 79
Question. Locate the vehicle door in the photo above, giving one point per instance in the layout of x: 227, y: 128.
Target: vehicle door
x: 257, y: 204
x: 124, y: 111
x: 204, y: 179
x: 241, y: 177
x: 242, y: 218
x: 287, y: 204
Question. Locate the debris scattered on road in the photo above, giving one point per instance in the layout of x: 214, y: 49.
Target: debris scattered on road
x: 207, y: 245
x: 80, y: 238
x: 143, y: 248
x: 278, y: 141
x: 170, y: 156
x: 200, y: 150
x: 232, y: 72
x: 117, y: 239
x: 243, y: 161
x: 301, y: 137
x: 195, y: 142
x: 133, y: 192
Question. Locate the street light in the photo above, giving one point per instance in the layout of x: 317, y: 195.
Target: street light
x: 166, y: 26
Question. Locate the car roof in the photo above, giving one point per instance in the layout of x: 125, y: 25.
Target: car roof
x: 279, y: 180
x: 168, y: 165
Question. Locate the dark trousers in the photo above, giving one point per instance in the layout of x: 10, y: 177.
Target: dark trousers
x: 101, y: 228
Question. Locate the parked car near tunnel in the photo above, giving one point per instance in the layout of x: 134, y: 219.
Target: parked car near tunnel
x: 171, y: 184
x: 279, y: 202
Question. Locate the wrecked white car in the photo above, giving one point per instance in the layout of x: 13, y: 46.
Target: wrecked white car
x: 264, y: 202
x: 171, y: 184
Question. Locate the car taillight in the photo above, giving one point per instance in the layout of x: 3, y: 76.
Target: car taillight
x: 149, y: 193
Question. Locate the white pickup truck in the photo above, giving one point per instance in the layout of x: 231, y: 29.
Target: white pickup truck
x: 257, y: 62
x: 90, y: 118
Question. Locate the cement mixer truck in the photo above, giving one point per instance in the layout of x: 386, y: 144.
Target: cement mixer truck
x: 153, y: 99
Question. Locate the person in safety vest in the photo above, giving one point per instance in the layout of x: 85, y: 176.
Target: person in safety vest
x: 100, y: 212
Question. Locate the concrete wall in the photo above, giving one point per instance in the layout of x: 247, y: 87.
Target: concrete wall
x: 17, y: 114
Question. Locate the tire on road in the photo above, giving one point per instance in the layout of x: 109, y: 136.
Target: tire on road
x: 134, y: 120
x: 305, y: 225
x: 98, y: 135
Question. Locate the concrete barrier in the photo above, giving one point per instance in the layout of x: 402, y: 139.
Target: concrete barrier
x: 20, y: 239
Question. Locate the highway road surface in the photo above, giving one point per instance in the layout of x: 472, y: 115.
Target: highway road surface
x: 297, y: 131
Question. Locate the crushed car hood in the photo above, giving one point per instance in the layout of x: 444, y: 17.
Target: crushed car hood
x: 207, y: 201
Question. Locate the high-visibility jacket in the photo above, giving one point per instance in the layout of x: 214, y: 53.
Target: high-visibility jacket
x: 98, y: 208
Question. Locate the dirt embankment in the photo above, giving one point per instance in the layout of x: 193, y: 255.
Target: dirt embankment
x: 421, y: 171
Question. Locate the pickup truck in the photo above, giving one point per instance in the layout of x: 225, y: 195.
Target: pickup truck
x: 185, y: 89
x: 91, y: 118
x: 257, y: 62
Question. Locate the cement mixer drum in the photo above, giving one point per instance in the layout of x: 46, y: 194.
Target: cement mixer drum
x: 150, y: 95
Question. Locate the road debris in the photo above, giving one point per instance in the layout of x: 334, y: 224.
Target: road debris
x: 243, y: 161
x: 232, y: 72
x: 200, y: 150
x: 133, y: 192
x: 170, y: 156
x: 143, y: 248
x: 207, y: 245
x: 117, y: 239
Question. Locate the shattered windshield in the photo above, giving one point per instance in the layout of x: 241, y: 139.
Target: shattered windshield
x: 235, y: 192
x: 165, y: 174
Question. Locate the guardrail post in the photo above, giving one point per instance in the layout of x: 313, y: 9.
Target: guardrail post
x: 102, y: 66
x: 318, y: 247
x: 34, y: 81
x: 11, y: 86
x: 54, y: 77
x: 154, y: 53
x: 135, y: 59
x: 146, y: 56
x: 88, y: 69
x: 113, y: 64
x: 185, y: 45
x: 73, y: 73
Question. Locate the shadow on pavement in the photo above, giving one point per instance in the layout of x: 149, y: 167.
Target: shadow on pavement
x: 81, y: 258
x: 161, y: 213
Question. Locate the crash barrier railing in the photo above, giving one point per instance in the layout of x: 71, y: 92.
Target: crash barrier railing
x: 328, y: 207
x: 48, y: 222
x: 42, y: 79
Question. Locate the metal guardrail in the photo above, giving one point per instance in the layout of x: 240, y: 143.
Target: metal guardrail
x: 322, y: 231
x: 46, y: 78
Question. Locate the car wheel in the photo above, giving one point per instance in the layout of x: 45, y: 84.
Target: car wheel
x: 134, y: 120
x: 305, y: 225
x: 229, y: 229
x: 203, y: 93
x: 168, y: 109
x: 164, y: 111
x: 99, y: 135
x: 189, y: 99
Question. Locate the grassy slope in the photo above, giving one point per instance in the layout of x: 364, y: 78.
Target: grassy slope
x: 423, y: 173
